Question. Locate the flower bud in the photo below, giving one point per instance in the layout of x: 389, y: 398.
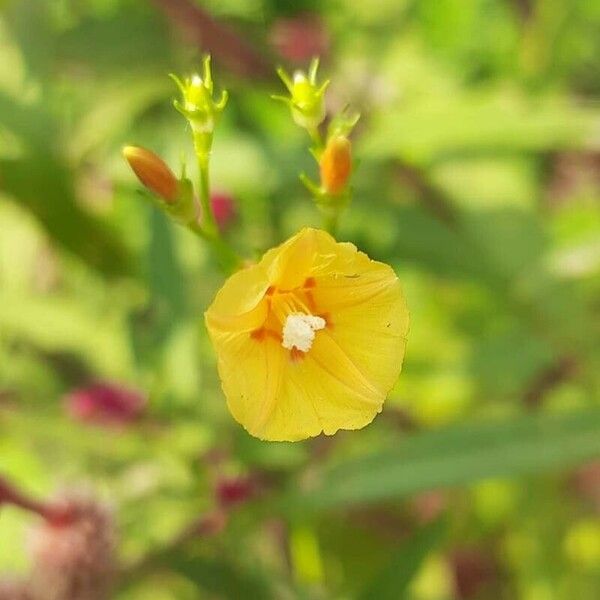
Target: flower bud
x: 336, y: 165
x: 223, y: 207
x: 105, y: 404
x: 74, y: 557
x: 198, y: 105
x: 307, y: 98
x: 153, y: 172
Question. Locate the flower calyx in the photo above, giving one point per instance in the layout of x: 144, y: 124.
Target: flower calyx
x: 175, y: 195
x: 335, y: 168
x: 307, y: 96
x: 198, y: 105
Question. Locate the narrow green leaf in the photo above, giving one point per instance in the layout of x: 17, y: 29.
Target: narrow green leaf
x: 41, y: 182
x: 165, y: 274
x: 43, y: 186
x: 219, y: 577
x: 490, y: 121
x: 151, y: 328
x: 456, y: 456
x: 393, y: 580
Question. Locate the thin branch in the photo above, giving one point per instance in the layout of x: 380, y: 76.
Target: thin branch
x: 222, y: 41
x: 10, y: 495
x: 433, y: 198
x: 523, y: 8
x: 561, y: 371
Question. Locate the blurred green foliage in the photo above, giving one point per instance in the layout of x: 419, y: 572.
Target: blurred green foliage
x: 479, y: 182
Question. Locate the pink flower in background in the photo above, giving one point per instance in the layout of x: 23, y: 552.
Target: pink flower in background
x: 234, y: 490
x: 224, y: 210
x: 74, y: 558
x: 299, y: 38
x: 105, y: 403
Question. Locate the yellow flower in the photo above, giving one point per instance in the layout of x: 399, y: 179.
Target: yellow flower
x: 310, y: 339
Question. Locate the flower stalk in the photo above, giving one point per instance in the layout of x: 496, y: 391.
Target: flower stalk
x: 210, y: 223
x: 202, y: 113
x: 177, y: 196
x: 333, y: 153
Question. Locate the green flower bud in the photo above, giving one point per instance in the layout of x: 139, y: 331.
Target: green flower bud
x: 306, y: 99
x: 199, y: 107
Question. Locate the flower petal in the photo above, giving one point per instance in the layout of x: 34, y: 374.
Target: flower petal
x: 241, y: 293
x: 367, y: 313
x: 280, y: 398
x: 264, y: 389
x: 239, y: 306
x: 372, y: 331
x: 289, y: 264
x: 323, y: 391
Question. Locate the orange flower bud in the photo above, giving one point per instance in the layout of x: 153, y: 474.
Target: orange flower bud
x: 153, y: 172
x: 336, y: 164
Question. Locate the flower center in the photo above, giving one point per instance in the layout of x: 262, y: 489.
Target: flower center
x: 299, y: 331
x: 292, y: 319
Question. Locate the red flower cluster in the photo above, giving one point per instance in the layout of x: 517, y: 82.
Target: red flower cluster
x: 234, y: 490
x: 105, y: 403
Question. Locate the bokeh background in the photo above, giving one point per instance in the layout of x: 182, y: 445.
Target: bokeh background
x: 479, y: 181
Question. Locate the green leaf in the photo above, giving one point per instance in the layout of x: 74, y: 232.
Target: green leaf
x: 391, y: 583
x: 41, y: 182
x: 219, y: 577
x: 30, y: 23
x: 490, y: 121
x: 456, y: 456
x: 59, y: 323
x: 133, y: 37
x: 165, y: 274
x: 43, y: 186
x: 151, y: 328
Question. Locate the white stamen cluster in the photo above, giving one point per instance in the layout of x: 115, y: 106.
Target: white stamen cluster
x: 299, y: 331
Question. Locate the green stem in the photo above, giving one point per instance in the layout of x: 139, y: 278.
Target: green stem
x: 208, y: 216
x: 229, y: 260
x: 315, y: 136
x: 330, y: 221
x: 226, y: 256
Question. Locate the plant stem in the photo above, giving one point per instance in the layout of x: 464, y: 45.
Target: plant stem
x: 226, y: 256
x: 330, y: 221
x: 315, y: 136
x: 208, y: 216
x: 11, y: 495
x: 229, y: 260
